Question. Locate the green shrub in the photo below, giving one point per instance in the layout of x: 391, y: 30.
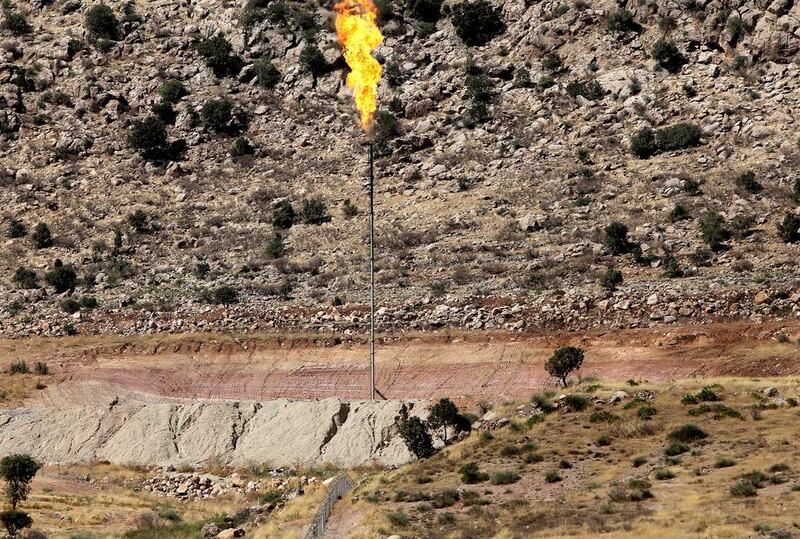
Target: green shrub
x: 707, y: 394
x: 225, y: 295
x: 533, y: 458
x: 139, y: 221
x: 217, y: 115
x: 552, y: 62
x: 639, y: 461
x: 667, y: 55
x: 591, y: 90
x: 41, y: 368
x: 743, y: 489
x: 14, y: 521
x: 621, y: 21
x: 611, y: 279
x: 543, y: 402
x: 149, y: 137
x: 101, y: 23
x: 16, y: 23
x: 62, y: 277
x: 25, y: 278
x: 241, y: 146
x: 604, y: 416
x: 679, y: 213
x: 275, y: 247
x: 426, y: 10
x: 16, y: 229
x: 218, y: 55
x: 471, y: 474
x: 687, y: 433
x: 267, y: 75
x: 552, y: 476
x: 724, y: 462
x: 19, y: 367
x: 714, y: 230
x: 445, y: 498
x: 397, y: 518
x: 312, y: 61
x: 646, y: 411
x: 615, y: 238
x: 689, y: 399
x: 677, y: 137
x: 576, y: 403
x: 603, y: 440
x: 349, y: 209
x: 283, y: 218
x: 789, y: 228
x: 643, y: 143
x: 88, y: 302
x: 676, y: 448
x: 42, y: 238
x: 746, y: 181
x: 70, y: 305
x: 172, y: 91
x: 314, y: 212
x: 663, y: 474
x: 476, y: 23
x: 165, y: 112
x: 505, y: 477
x: 522, y: 78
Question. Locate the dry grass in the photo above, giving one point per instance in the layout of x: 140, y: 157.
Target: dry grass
x: 695, y: 503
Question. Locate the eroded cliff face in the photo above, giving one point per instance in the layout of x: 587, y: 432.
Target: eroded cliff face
x: 280, y: 432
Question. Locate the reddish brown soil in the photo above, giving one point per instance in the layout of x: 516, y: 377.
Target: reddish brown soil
x: 467, y: 365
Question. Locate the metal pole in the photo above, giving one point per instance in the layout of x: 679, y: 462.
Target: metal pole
x: 371, y: 277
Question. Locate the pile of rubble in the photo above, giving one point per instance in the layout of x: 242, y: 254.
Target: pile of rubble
x: 192, y: 486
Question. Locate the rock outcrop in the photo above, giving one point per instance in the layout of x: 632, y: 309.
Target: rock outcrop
x: 280, y: 432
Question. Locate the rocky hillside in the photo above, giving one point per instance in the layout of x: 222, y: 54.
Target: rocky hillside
x: 197, y: 165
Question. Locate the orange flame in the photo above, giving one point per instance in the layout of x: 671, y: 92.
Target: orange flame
x: 357, y: 28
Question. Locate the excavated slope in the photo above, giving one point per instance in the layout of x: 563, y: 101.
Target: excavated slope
x: 280, y: 433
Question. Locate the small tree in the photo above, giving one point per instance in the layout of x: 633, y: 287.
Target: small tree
x: 668, y: 56
x: 62, y: 277
x: 312, y: 60
x: 476, y: 23
x: 17, y: 229
x: 315, y: 212
x: 267, y: 75
x: 563, y: 362
x: 101, y: 23
x: 217, y: 115
x: 616, y: 238
x: 443, y: 414
x: 16, y: 23
x: 283, y: 217
x: 789, y: 228
x: 643, y: 143
x: 42, y: 237
x: 714, y: 230
x: 25, y: 278
x: 611, y: 279
x: 139, y: 221
x: 149, y: 137
x: 217, y: 52
x: 17, y: 470
x: 14, y: 521
x: 172, y: 91
x: 416, y: 437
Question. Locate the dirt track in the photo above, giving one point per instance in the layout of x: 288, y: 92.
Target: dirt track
x: 471, y: 366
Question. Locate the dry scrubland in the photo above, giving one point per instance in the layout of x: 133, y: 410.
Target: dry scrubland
x: 102, y: 501
x: 583, y: 473
x: 510, y: 139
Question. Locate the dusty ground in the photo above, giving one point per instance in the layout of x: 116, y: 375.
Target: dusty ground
x: 465, y: 366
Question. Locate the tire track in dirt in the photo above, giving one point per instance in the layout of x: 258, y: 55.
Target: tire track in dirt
x: 467, y: 366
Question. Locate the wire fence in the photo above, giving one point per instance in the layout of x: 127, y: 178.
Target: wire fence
x: 340, y: 486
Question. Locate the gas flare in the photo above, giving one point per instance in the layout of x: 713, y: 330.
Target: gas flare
x: 359, y: 35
